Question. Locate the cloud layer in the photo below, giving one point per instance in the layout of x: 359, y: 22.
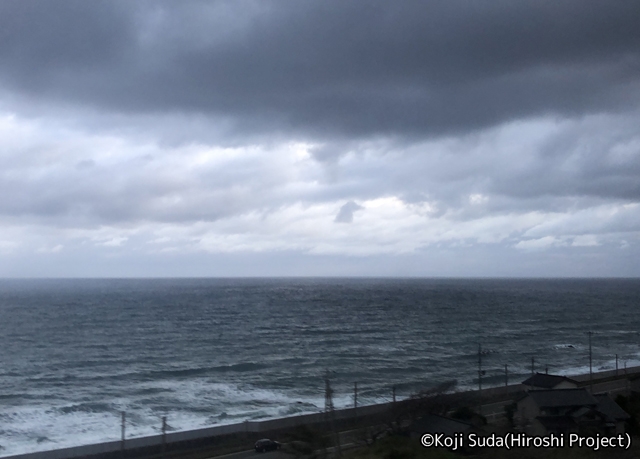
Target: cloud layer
x: 254, y: 130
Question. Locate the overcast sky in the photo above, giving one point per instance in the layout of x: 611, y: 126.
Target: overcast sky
x: 333, y: 138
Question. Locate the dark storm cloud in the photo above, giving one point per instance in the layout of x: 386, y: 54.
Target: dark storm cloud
x: 326, y: 69
x: 255, y: 126
x: 48, y: 46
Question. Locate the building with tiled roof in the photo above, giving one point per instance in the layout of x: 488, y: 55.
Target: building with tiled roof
x: 545, y: 411
x: 547, y: 381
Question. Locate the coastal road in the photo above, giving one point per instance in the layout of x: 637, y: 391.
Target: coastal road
x: 251, y: 454
x: 348, y: 440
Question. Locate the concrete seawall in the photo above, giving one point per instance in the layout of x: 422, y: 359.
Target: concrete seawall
x: 250, y: 427
x: 604, y: 381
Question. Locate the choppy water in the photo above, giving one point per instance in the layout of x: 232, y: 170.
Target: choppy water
x: 75, y: 353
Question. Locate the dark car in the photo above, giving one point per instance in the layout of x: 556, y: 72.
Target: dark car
x: 267, y: 445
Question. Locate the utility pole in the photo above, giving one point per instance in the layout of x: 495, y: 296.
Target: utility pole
x: 506, y: 379
x: 123, y: 428
x: 480, y: 368
x: 480, y: 377
x: 328, y: 407
x: 164, y: 435
x: 328, y: 394
x: 355, y: 396
x: 590, y: 366
x: 627, y: 379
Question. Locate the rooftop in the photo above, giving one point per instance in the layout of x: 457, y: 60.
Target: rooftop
x: 563, y: 398
x: 547, y: 381
x: 610, y: 408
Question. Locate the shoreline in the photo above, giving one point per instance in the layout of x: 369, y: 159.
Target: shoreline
x: 604, y: 381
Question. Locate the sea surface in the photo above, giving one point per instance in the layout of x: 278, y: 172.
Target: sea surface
x: 74, y: 354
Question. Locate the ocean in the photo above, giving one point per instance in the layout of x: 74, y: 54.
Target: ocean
x: 74, y: 354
